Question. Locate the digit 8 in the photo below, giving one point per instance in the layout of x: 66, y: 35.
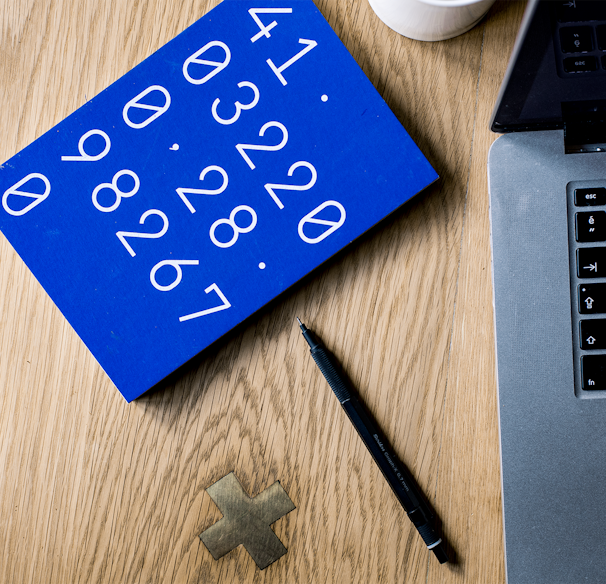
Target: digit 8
x: 114, y: 187
x: 232, y: 223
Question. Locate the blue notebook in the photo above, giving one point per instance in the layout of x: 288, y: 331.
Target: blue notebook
x: 202, y: 184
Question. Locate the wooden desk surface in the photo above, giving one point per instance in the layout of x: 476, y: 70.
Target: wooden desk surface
x: 95, y: 490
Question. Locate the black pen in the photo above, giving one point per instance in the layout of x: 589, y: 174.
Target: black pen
x: 398, y: 477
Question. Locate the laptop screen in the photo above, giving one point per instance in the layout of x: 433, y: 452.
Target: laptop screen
x: 557, y: 72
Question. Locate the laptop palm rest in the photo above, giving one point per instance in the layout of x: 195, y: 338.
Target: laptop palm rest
x: 553, y: 441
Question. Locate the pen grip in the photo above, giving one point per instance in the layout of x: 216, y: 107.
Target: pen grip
x: 330, y: 373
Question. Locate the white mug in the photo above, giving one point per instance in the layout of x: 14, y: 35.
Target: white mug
x: 430, y: 20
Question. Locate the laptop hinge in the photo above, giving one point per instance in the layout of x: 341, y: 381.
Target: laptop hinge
x: 584, y: 126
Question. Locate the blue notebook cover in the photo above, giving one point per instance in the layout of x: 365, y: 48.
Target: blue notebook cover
x: 202, y: 184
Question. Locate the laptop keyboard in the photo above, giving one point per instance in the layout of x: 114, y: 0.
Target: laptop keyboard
x: 580, y: 46
x: 587, y: 238
x: 581, y: 37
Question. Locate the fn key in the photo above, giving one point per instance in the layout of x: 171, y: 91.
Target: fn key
x: 593, y: 371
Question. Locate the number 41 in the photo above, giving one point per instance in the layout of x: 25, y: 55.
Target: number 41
x: 264, y: 31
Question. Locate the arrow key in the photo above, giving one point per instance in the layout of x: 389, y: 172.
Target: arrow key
x: 593, y: 334
x: 579, y: 10
x: 591, y: 262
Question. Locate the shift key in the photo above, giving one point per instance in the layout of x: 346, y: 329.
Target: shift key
x: 591, y: 262
x: 593, y: 334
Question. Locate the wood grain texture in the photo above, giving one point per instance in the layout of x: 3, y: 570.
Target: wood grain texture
x: 95, y: 490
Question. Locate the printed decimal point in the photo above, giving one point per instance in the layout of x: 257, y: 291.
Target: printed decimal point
x: 325, y: 98
x: 174, y: 147
x: 262, y: 265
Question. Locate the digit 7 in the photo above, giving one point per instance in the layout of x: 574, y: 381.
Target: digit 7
x: 224, y: 306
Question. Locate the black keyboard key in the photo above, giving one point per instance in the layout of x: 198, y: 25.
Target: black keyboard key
x: 600, y: 32
x: 593, y: 334
x: 580, y: 64
x: 593, y: 372
x: 578, y: 10
x: 590, y: 197
x: 576, y: 39
x: 592, y: 298
x: 591, y: 262
x: 591, y: 226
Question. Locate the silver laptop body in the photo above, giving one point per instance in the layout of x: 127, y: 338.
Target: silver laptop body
x: 545, y: 183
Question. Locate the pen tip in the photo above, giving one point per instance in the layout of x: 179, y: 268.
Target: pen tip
x: 299, y: 321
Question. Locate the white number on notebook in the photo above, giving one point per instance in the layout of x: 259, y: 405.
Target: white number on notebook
x: 176, y: 264
x: 264, y: 30
x: 183, y: 192
x: 85, y: 156
x: 278, y: 70
x: 119, y: 194
x: 231, y: 222
x: 224, y: 306
x: 243, y: 147
x: 272, y: 188
x: 239, y: 106
x: 311, y: 217
x: 15, y: 192
x: 122, y: 235
x: 135, y: 103
x: 218, y: 65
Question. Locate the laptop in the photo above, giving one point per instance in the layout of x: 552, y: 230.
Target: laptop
x: 547, y: 186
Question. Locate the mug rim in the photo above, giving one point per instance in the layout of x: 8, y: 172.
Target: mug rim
x: 451, y: 3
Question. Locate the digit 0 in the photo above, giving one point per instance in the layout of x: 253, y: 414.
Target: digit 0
x: 136, y: 103
x: 232, y: 223
x: 331, y: 224
x: 195, y: 59
x: 119, y: 194
x: 18, y: 194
